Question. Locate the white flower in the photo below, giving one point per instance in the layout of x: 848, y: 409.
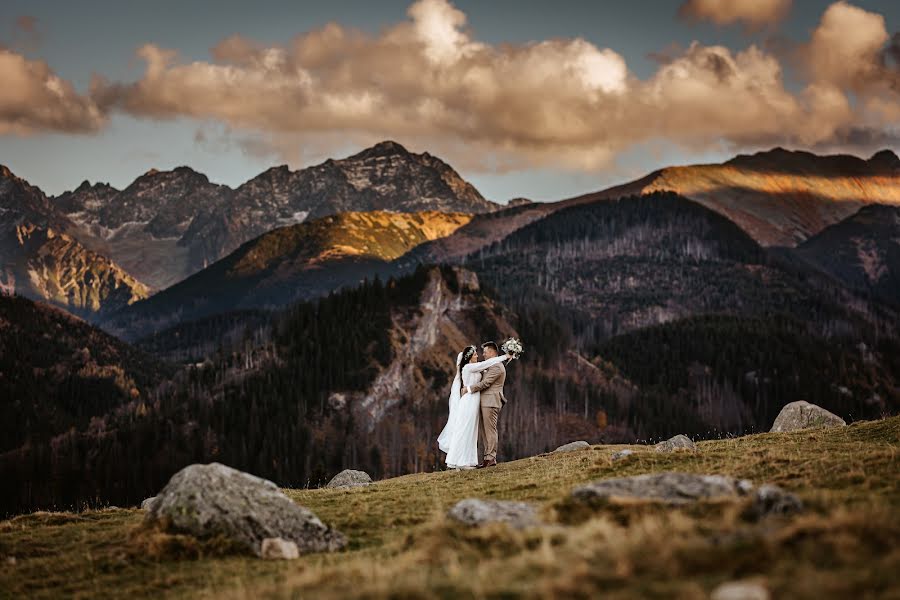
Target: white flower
x: 512, y: 346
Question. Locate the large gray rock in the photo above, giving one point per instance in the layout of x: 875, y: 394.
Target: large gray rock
x: 209, y: 500
x: 475, y: 512
x: 572, y: 446
x: 145, y: 505
x: 349, y: 478
x: 673, y: 488
x: 802, y: 414
x: 683, y: 488
x: 679, y: 442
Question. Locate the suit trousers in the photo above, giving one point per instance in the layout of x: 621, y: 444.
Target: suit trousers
x: 490, y: 415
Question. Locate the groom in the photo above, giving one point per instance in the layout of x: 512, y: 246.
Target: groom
x: 492, y: 400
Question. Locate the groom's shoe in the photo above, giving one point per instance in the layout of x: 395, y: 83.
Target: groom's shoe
x: 488, y: 463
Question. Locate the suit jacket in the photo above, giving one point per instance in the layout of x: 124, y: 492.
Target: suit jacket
x: 491, y: 386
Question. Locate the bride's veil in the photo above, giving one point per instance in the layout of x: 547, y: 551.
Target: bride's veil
x: 447, y: 433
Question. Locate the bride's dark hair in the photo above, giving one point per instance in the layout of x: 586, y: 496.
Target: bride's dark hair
x: 466, y: 357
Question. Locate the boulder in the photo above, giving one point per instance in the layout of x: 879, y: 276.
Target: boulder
x: 683, y: 488
x: 215, y: 500
x: 475, y: 512
x: 279, y: 549
x: 145, y: 505
x: 572, y: 446
x: 621, y: 454
x: 802, y: 414
x: 349, y: 478
x: 679, y: 442
x: 740, y: 590
x: 669, y: 487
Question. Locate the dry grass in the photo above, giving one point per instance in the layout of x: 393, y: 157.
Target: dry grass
x: 845, y: 545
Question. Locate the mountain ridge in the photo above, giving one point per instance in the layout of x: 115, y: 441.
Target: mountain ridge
x: 296, y: 262
x: 167, y: 225
x: 39, y: 258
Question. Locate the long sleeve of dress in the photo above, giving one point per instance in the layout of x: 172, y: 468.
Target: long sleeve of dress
x: 481, y: 366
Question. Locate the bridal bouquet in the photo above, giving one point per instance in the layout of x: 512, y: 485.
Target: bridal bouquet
x: 513, y: 346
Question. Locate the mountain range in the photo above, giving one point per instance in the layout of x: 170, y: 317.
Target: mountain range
x: 169, y: 225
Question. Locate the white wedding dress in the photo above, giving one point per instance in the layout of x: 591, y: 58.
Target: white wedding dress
x: 459, y: 438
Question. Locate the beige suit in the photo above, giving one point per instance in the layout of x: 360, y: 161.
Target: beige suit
x: 492, y: 400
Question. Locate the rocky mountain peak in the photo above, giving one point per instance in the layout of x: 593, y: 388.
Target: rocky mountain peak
x: 385, y: 148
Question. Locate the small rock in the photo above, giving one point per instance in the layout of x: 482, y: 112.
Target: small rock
x: 145, y: 505
x: 622, y: 454
x: 672, y: 488
x: 772, y: 500
x: 279, y: 549
x: 349, y: 478
x: 11, y: 560
x: 572, y: 446
x: 475, y: 512
x: 210, y: 500
x: 740, y: 590
x: 802, y: 414
x: 679, y: 442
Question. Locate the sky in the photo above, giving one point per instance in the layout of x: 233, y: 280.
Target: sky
x: 543, y: 100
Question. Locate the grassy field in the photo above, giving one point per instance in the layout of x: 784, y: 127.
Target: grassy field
x: 845, y: 545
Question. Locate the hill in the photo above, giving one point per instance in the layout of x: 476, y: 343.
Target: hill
x: 778, y: 197
x: 58, y: 372
x: 781, y: 197
x: 402, y: 545
x: 862, y: 251
x: 289, y: 264
x: 618, y: 265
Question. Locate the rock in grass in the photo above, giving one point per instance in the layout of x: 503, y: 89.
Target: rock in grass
x: 672, y: 488
x: 802, y: 415
x: 679, y: 442
x: 349, y: 478
x: 145, y: 505
x: 622, y: 454
x: 740, y: 590
x: 772, y: 500
x: 215, y: 500
x: 683, y: 488
x: 279, y: 549
x: 475, y: 512
x: 572, y: 446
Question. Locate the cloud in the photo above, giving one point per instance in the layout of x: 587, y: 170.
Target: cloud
x: 851, y: 49
x: 33, y: 98
x: 752, y: 13
x: 847, y: 47
x: 426, y: 82
x: 560, y: 103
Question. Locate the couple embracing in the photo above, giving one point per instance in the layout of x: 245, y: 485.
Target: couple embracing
x: 476, y: 398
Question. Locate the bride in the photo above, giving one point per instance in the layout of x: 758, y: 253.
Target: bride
x: 459, y: 439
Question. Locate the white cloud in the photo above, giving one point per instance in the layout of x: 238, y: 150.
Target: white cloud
x: 33, y: 98
x: 752, y: 13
